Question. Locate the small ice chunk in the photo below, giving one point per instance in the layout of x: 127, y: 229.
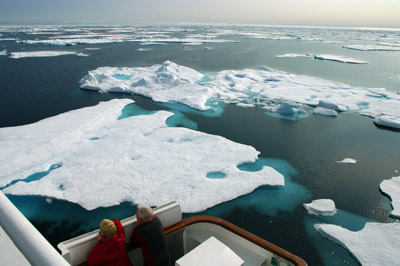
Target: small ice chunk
x: 286, y: 108
x: 391, y: 187
x: 324, y: 111
x: 328, y: 104
x: 388, y: 121
x: 348, y: 160
x: 4, y: 52
x: 324, y: 207
x: 375, y: 244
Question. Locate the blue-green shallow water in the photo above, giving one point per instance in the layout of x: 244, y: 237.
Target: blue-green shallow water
x: 303, y: 150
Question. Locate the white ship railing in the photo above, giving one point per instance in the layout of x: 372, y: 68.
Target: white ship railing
x: 32, y: 244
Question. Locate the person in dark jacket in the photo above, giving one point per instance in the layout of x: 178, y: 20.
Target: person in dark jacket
x: 110, y: 250
x: 149, y: 235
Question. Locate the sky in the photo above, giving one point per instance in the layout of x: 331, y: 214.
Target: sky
x: 340, y: 13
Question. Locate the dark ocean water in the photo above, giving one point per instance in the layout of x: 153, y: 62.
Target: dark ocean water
x: 303, y: 150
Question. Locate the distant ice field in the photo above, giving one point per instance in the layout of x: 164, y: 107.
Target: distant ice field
x: 260, y: 105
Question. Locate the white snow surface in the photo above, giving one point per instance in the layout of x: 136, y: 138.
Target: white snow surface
x: 391, y: 187
x: 348, y: 160
x: 104, y: 161
x: 170, y: 82
x: 324, y: 207
x: 375, y: 244
x: 17, y: 55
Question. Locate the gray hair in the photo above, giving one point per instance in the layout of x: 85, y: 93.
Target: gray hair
x: 145, y: 212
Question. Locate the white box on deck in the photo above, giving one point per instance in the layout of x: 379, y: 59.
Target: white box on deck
x: 211, y: 252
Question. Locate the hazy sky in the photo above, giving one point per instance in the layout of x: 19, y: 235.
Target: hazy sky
x: 356, y: 13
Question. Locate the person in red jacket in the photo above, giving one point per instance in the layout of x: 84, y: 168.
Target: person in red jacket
x: 149, y: 235
x: 110, y: 250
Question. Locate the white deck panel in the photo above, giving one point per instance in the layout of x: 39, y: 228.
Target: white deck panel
x: 9, y: 253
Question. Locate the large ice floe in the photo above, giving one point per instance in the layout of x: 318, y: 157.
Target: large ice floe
x: 17, y: 55
x: 265, y: 87
x: 91, y: 157
x: 375, y: 244
x: 391, y: 187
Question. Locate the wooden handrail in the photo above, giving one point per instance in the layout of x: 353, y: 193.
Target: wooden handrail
x: 241, y: 232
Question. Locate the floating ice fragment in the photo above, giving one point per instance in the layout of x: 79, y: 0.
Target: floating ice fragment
x: 391, y: 187
x: 372, y: 47
x: 376, y: 244
x: 388, y: 121
x: 4, y: 52
x: 339, y: 58
x: 324, y: 207
x: 348, y: 160
x: 17, y: 55
x: 294, y: 55
x: 324, y: 111
x: 286, y: 108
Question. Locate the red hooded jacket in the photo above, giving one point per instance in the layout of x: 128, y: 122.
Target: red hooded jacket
x: 110, y: 251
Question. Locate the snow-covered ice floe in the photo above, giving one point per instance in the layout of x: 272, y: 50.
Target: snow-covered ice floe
x: 391, y: 187
x: 324, y: 207
x: 388, y: 121
x: 293, y: 55
x: 169, y: 82
x: 17, y: 55
x: 339, y: 58
x: 90, y: 157
x: 365, y: 47
x: 328, y: 57
x: 376, y: 244
x: 348, y: 160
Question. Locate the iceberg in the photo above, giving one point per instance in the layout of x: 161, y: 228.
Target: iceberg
x: 391, y: 187
x: 339, y: 58
x: 17, y: 55
x: 3, y: 52
x: 348, y: 160
x: 375, y: 244
x: 94, y: 158
x: 324, y: 207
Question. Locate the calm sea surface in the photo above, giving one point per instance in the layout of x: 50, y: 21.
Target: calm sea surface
x: 303, y: 150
